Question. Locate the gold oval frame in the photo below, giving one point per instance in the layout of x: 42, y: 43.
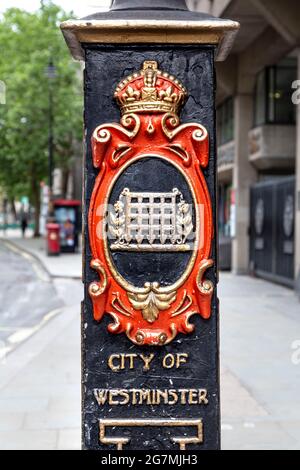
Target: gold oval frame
x: 117, y: 276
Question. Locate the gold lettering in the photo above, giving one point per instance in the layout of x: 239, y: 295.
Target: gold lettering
x: 125, y: 395
x: 193, y: 397
x: 183, y: 392
x: 203, y: 397
x: 147, y: 360
x: 181, y: 359
x: 162, y: 394
x: 171, y: 360
x: 112, y: 394
x: 111, y: 364
x: 101, y: 396
x: 173, y: 394
x: 131, y: 360
x: 145, y: 395
x: 117, y: 362
x: 140, y: 396
x: 168, y: 361
x: 134, y: 400
x: 154, y: 398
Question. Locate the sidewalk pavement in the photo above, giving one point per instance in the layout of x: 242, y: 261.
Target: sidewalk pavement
x: 260, y: 322
x: 66, y: 265
x: 40, y: 379
x: 260, y: 329
x: 40, y: 388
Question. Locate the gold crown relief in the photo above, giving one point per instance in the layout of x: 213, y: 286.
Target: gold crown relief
x: 150, y: 90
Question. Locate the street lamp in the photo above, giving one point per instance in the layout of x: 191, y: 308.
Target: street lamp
x: 50, y: 73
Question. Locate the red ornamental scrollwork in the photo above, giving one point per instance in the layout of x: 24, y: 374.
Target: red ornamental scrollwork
x: 152, y: 314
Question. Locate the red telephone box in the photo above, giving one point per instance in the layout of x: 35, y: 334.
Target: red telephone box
x: 68, y: 216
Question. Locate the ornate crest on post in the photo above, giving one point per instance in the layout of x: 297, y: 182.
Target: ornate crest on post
x: 150, y: 219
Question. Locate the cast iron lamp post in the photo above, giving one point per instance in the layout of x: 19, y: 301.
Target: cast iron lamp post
x: 150, y: 163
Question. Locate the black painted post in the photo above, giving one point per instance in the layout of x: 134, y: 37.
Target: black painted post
x: 150, y: 382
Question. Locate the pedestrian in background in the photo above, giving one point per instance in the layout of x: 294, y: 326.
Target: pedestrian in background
x: 24, y: 224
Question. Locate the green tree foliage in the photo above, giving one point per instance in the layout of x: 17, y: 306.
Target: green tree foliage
x: 28, y: 41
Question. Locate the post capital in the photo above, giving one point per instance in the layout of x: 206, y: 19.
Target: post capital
x: 150, y: 22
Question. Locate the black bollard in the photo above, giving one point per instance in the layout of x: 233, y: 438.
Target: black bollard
x: 150, y: 355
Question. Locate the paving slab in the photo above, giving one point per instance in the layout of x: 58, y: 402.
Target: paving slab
x: 40, y: 380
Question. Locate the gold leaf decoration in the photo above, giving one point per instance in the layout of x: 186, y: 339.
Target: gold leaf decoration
x: 151, y: 303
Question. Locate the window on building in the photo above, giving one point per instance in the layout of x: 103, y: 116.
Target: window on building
x: 260, y: 99
x: 225, y: 122
x: 273, y: 103
x: 225, y: 203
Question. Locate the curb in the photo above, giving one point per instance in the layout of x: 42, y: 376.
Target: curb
x: 27, y: 254
x: 22, y: 335
x: 35, y: 260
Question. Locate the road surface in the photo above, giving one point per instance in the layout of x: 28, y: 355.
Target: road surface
x: 28, y: 297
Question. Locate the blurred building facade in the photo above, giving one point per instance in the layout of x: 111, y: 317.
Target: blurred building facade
x: 259, y: 139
